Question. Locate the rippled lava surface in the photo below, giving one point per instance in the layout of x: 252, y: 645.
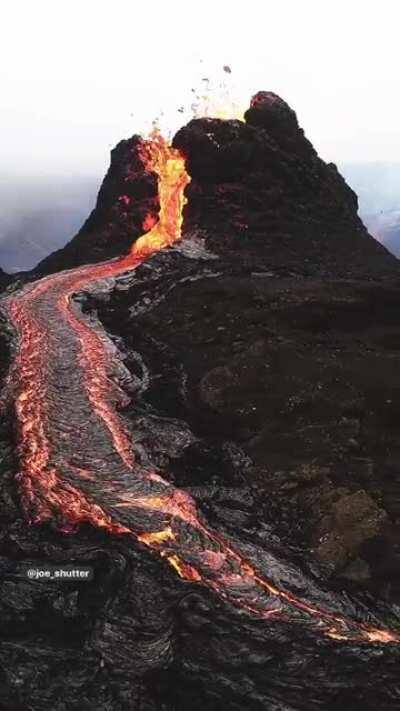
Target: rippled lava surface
x: 232, y: 624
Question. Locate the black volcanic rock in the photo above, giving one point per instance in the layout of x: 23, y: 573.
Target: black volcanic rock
x: 126, y: 196
x: 299, y: 373
x: 264, y: 354
x: 267, y: 110
x: 3, y: 278
x: 259, y: 190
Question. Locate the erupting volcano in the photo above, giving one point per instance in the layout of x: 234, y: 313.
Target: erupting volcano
x: 74, y: 471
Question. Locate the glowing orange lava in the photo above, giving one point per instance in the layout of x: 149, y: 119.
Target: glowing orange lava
x: 169, y: 164
x: 76, y: 451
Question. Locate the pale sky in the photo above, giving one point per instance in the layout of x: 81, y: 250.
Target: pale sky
x: 76, y: 76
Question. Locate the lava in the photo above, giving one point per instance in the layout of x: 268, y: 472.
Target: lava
x: 169, y: 165
x: 75, y: 449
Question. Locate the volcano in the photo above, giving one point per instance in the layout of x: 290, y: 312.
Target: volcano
x: 204, y: 389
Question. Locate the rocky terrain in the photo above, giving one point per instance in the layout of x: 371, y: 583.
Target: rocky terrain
x: 4, y: 279
x: 289, y: 347
x: 297, y: 374
x: 265, y: 348
x: 259, y: 191
x: 126, y: 196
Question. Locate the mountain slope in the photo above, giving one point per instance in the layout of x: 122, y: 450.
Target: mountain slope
x: 263, y: 371
x: 258, y: 188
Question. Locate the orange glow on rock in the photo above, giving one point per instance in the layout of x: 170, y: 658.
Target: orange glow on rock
x: 54, y: 334
x: 157, y: 536
x: 185, y: 571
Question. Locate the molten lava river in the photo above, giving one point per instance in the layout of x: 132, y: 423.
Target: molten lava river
x: 66, y: 370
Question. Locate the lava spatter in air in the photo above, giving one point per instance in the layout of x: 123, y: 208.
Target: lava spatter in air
x: 76, y: 456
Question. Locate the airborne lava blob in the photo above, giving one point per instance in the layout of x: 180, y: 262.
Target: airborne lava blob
x: 76, y: 455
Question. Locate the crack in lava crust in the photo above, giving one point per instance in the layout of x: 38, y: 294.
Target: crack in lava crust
x: 77, y: 460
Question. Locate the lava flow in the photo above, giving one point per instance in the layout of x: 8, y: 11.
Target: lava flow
x: 76, y: 454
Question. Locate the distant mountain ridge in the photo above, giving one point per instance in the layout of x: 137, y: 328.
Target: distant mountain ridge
x: 378, y: 189
x: 39, y: 215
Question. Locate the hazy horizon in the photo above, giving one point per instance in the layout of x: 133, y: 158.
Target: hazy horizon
x: 40, y: 214
x: 78, y: 77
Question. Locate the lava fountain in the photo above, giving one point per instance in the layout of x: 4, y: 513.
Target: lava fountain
x: 76, y: 455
